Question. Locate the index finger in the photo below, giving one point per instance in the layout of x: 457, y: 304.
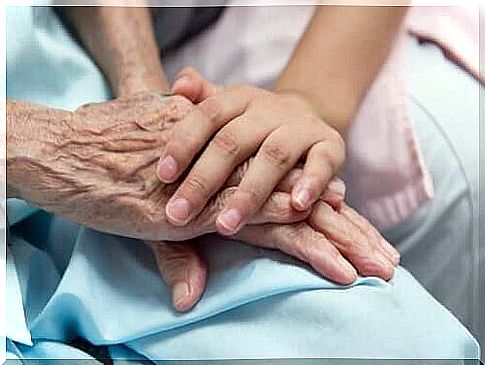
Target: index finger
x: 191, y: 134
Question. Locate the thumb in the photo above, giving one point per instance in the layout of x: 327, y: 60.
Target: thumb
x: 183, y: 269
x: 190, y: 84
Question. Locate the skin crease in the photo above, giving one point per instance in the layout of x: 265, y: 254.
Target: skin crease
x: 101, y: 159
x: 122, y: 43
x: 97, y: 165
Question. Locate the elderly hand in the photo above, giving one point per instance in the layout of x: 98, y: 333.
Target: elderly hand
x: 229, y: 125
x: 333, y: 241
x: 97, y: 165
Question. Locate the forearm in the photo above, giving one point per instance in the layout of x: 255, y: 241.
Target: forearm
x: 122, y: 42
x: 339, y: 56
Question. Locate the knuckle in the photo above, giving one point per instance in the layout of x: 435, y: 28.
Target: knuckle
x: 291, y: 239
x: 342, y: 154
x: 306, y: 242
x: 211, y: 108
x: 368, y: 231
x: 277, y: 154
x: 227, y: 142
x: 331, y: 157
x: 197, y: 184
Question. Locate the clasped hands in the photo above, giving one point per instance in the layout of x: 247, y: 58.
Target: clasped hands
x: 227, y: 127
x: 207, y: 159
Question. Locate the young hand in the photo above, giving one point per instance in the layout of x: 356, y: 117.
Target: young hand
x: 229, y: 125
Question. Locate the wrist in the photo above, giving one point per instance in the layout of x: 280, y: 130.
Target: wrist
x: 139, y: 79
x: 34, y: 134
x: 339, y: 121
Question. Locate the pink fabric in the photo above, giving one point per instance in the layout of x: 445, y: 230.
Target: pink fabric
x: 453, y: 28
x: 385, y: 174
x: 386, y: 177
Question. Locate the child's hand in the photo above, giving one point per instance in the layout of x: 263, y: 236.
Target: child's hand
x: 226, y: 128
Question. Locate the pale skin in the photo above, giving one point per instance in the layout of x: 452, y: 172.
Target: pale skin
x: 122, y: 43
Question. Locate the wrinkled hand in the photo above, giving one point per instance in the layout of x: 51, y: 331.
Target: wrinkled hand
x: 97, y: 165
x: 332, y: 232
x: 333, y: 241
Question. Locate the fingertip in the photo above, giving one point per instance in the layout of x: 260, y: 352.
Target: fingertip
x: 337, y: 186
x: 180, y: 84
x: 177, y: 211
x: 167, y: 169
x: 336, y: 269
x: 229, y: 221
x: 301, y: 196
x: 181, y: 298
x: 300, y: 199
x: 348, y: 274
x: 186, y: 294
x: 383, y: 269
x: 393, y: 253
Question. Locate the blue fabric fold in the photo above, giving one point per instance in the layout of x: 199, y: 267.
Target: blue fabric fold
x: 111, y: 294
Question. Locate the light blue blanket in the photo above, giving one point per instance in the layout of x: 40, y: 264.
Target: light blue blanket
x: 75, y: 283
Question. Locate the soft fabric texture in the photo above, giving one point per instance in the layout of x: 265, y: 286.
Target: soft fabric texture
x: 440, y: 244
x: 455, y: 29
x: 110, y: 293
x: 77, y: 283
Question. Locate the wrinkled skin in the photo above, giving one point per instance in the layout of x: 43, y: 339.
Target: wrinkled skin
x: 96, y: 166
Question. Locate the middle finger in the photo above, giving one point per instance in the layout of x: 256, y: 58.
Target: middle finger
x: 351, y: 242
x: 275, y: 158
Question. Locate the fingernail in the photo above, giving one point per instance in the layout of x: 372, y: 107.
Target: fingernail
x: 230, y: 219
x: 302, y: 197
x: 180, y: 293
x: 348, y: 268
x: 384, y: 261
x: 167, y: 168
x: 178, y: 210
x: 396, y: 257
x: 337, y: 186
x: 180, y: 82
